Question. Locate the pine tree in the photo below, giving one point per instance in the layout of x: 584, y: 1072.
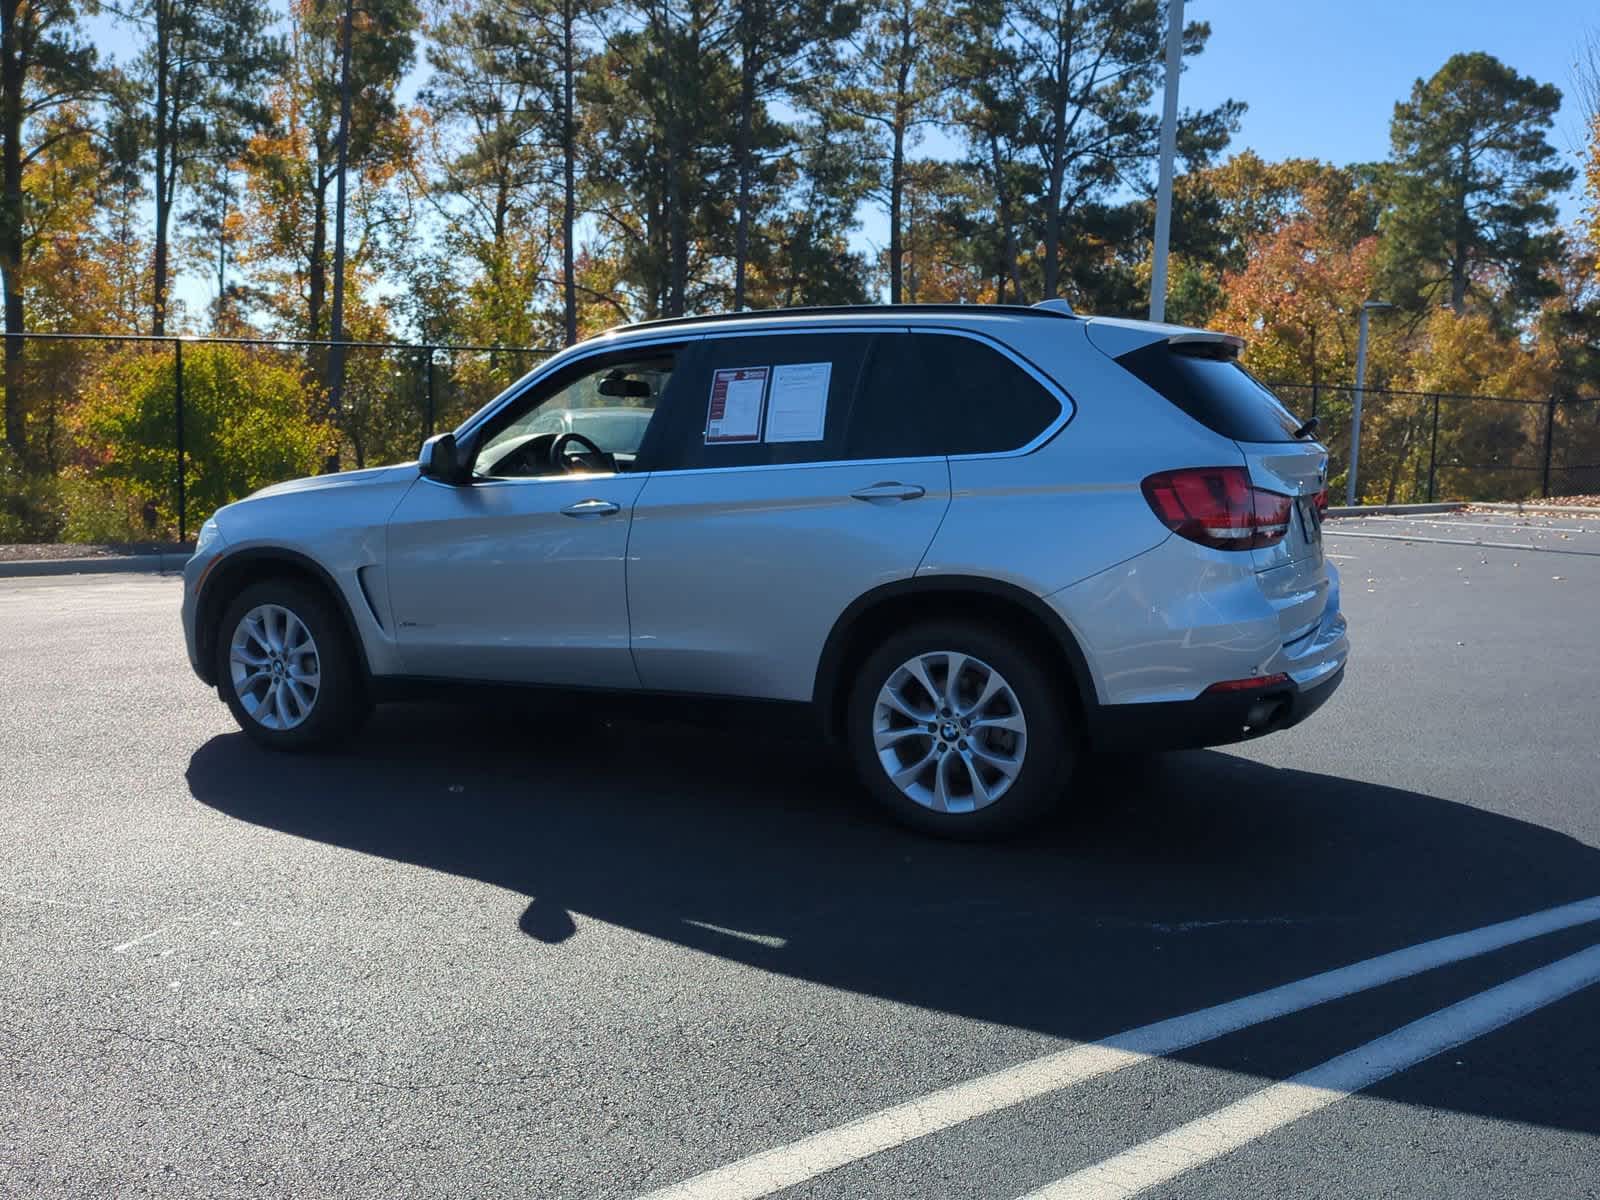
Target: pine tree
x: 890, y: 81
x: 45, y: 66
x: 1470, y: 183
x: 200, y: 77
x: 292, y: 168
x: 1088, y: 71
x: 665, y: 105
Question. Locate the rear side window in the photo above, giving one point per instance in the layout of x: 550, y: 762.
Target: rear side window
x: 929, y: 394
x: 760, y: 400
x: 1218, y: 393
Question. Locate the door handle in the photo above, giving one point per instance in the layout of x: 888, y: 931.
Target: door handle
x: 591, y: 508
x: 890, y: 491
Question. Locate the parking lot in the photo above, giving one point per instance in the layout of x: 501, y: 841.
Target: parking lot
x: 515, y: 952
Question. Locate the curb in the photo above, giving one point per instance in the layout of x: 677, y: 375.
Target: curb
x: 1364, y: 510
x: 108, y: 565
x: 1519, y: 506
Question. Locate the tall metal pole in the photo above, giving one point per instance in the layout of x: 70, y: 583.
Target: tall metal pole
x: 1169, y: 149
x: 1549, y: 443
x: 429, y: 352
x: 1433, y: 449
x: 336, y: 357
x: 1361, y: 387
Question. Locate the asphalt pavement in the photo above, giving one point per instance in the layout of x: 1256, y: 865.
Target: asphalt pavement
x: 515, y: 952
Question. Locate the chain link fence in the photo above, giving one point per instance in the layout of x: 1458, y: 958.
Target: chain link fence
x: 1423, y: 446
x: 138, y: 438
x: 131, y: 439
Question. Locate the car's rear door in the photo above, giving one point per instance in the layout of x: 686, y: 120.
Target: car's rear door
x: 757, y: 527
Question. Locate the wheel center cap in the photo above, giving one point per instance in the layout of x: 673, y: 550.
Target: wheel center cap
x: 949, y: 731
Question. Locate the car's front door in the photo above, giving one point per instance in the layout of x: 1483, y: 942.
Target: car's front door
x: 757, y: 526
x: 520, y: 575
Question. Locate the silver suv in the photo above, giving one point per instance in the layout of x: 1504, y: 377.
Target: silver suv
x: 974, y: 542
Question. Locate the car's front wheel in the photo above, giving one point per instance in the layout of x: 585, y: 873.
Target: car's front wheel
x: 286, y: 667
x: 958, y: 729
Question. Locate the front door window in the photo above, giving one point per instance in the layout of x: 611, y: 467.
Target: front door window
x: 591, y: 420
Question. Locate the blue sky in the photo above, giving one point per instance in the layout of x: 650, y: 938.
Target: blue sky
x: 1320, y: 78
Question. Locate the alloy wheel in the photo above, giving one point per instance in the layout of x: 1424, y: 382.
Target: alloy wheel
x: 275, y: 668
x: 949, y: 731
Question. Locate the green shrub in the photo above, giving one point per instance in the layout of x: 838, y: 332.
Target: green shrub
x: 247, y: 423
x: 30, y: 505
x: 95, y: 511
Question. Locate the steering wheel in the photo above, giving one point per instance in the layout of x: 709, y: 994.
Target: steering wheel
x: 562, y: 461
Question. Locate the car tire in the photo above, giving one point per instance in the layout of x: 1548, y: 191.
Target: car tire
x: 287, y: 668
x: 995, y: 753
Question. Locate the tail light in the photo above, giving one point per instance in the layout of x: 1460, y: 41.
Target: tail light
x: 1218, y: 507
x: 1321, y: 499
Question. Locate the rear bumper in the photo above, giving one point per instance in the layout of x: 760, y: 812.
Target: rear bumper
x: 1209, y: 720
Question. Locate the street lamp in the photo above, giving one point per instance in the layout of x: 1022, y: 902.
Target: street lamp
x: 1361, y: 384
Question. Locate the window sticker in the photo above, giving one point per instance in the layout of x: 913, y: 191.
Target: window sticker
x: 799, y: 402
x: 738, y: 395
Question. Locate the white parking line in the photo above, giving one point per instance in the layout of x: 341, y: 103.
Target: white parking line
x: 773, y: 1170
x: 1210, y: 1137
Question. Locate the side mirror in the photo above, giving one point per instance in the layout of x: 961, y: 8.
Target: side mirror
x: 440, y: 460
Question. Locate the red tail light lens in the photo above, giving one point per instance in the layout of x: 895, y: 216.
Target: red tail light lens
x: 1218, y: 507
x: 1322, y: 502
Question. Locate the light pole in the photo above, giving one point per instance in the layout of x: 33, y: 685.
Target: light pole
x: 1169, y: 146
x: 1361, y: 386
x: 337, y: 357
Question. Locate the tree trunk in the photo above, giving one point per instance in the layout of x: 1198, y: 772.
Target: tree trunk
x: 569, y: 183
x: 897, y: 167
x: 316, y: 266
x: 910, y: 252
x: 1058, y: 157
x: 1052, y: 217
x: 11, y: 77
x: 677, y: 233
x: 742, y: 150
x: 1463, y: 236
x: 897, y: 162
x: 1008, y: 225
x: 158, y: 273
x: 222, y: 245
x: 1458, y: 280
x: 677, y: 218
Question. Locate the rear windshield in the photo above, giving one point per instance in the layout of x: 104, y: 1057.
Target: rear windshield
x: 1218, y: 393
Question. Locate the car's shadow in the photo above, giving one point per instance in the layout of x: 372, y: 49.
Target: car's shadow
x: 1189, y: 879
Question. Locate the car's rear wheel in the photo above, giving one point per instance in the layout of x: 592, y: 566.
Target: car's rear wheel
x: 958, y: 729
x: 286, y: 667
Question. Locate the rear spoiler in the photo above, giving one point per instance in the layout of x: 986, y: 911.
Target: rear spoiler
x: 1206, y: 344
x: 1115, y: 337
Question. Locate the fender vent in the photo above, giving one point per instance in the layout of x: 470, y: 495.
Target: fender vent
x: 364, y: 578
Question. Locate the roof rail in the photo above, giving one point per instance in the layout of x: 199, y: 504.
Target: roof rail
x: 1054, y: 309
